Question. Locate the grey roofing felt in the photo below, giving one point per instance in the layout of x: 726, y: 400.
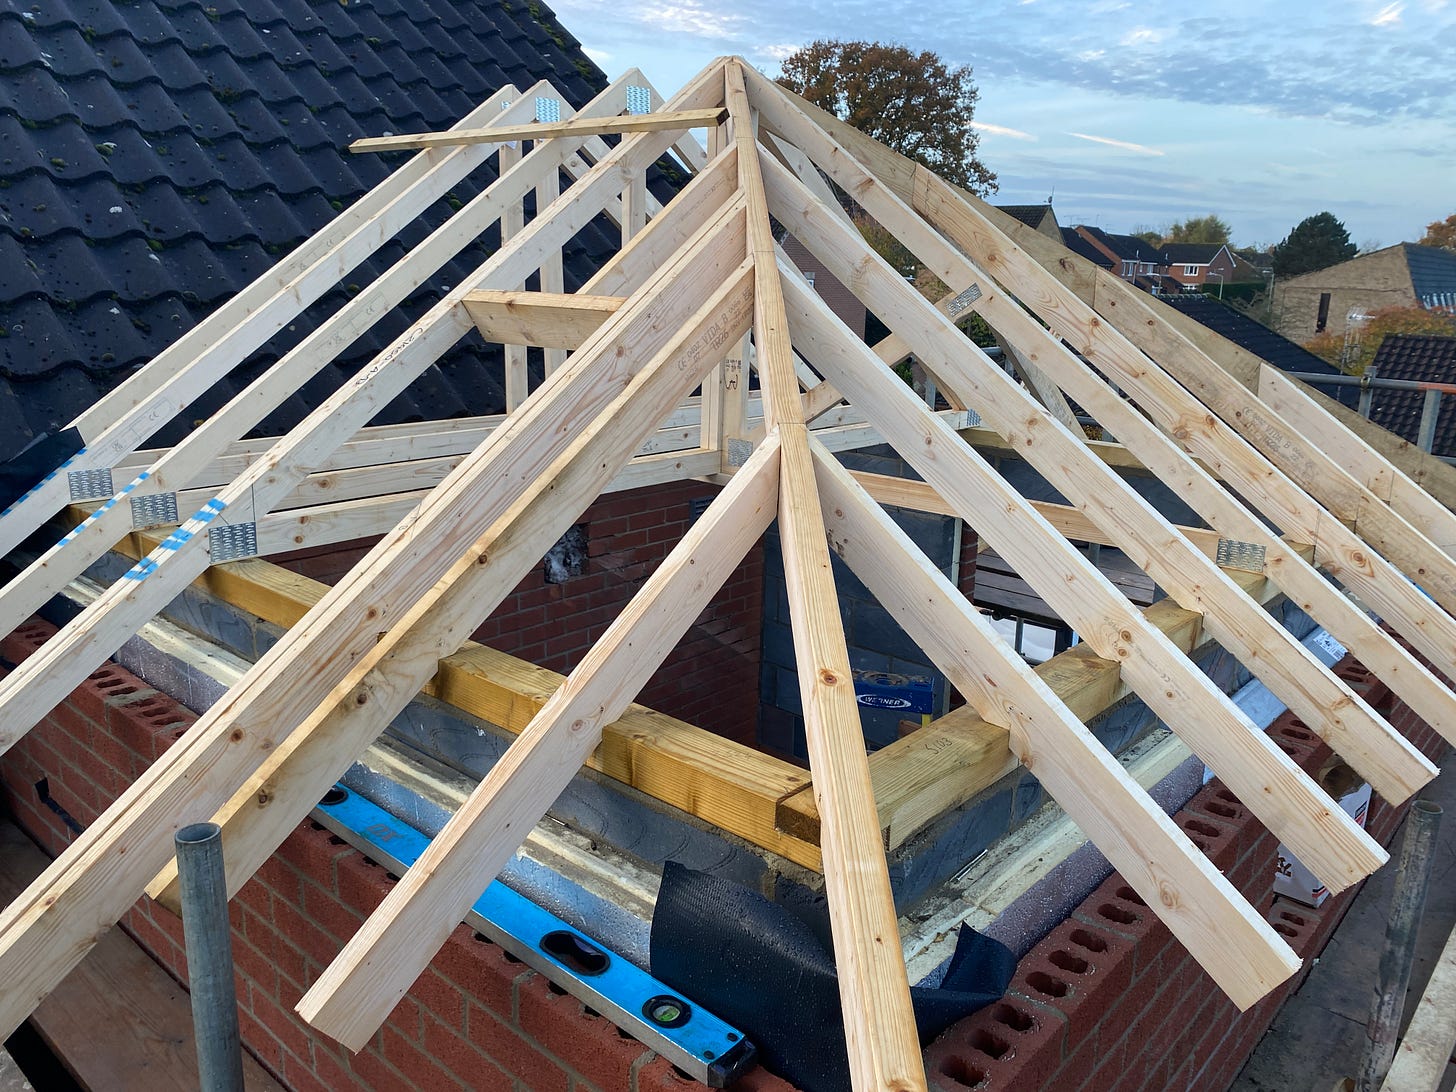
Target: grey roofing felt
x: 156, y: 156
x: 1421, y: 358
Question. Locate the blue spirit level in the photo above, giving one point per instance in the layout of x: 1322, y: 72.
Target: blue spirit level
x: 695, y: 1041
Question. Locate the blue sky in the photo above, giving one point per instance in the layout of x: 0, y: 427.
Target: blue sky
x: 1138, y: 114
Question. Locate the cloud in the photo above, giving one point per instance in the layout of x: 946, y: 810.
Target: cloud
x: 1141, y: 149
x: 688, y: 18
x: 1001, y: 130
x: 1144, y: 36
x: 1388, y: 16
x: 778, y: 52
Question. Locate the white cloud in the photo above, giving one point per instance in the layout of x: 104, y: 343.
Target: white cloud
x: 1141, y: 149
x: 1388, y: 16
x: 1001, y: 130
x: 1144, y: 36
x: 779, y: 52
x: 688, y: 18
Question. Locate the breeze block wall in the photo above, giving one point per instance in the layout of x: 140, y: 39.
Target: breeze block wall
x: 477, y: 1019
x: 1106, y: 1001
x: 710, y: 679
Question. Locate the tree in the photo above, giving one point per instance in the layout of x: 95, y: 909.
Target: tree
x: 910, y: 101
x: 1354, y: 351
x: 1199, y: 229
x: 1317, y: 242
x: 1441, y: 233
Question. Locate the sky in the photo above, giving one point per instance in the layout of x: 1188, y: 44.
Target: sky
x: 1132, y: 115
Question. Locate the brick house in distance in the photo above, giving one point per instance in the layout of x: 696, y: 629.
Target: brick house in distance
x: 1404, y: 275
x: 1133, y: 259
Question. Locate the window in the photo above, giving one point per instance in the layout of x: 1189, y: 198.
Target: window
x: 1323, y: 319
x: 1190, y: 270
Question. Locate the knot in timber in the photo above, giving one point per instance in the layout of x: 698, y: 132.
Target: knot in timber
x: 236, y: 735
x: 1168, y: 895
x: 828, y: 677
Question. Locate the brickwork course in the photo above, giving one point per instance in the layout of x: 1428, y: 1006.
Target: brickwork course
x: 1107, y: 1000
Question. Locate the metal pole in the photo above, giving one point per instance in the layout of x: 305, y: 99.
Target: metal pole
x: 203, y: 891
x: 1398, y: 954
x: 1430, y: 411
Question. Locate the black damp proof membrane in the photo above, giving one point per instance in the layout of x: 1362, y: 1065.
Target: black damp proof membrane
x: 770, y: 973
x: 44, y: 454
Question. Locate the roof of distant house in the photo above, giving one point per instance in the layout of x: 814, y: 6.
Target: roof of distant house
x: 1433, y: 274
x: 1030, y: 215
x: 1080, y: 246
x: 1191, y: 253
x: 1129, y: 248
x: 1421, y: 358
x: 159, y: 156
x: 1432, y: 271
x: 1250, y: 334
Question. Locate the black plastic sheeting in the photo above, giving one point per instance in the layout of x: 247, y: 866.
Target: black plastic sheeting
x: 41, y: 456
x: 770, y: 972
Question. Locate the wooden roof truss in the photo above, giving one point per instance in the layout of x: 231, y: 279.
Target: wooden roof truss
x: 698, y: 289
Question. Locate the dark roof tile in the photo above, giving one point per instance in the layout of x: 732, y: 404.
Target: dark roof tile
x: 172, y: 150
x: 1433, y: 275
x: 1421, y: 358
x: 18, y: 46
x: 1249, y: 334
x: 1191, y: 253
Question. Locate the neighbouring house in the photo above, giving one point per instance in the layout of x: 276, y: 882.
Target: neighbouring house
x: 1419, y: 358
x: 1037, y: 217
x: 1327, y: 300
x: 1192, y: 264
x: 1207, y: 267
x: 1133, y: 259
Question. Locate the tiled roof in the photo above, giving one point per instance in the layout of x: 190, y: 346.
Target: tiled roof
x: 1423, y: 358
x: 1258, y: 339
x: 1251, y: 334
x: 1081, y: 247
x: 1191, y: 253
x: 157, y: 155
x: 1030, y: 215
x: 1433, y: 275
x: 1127, y: 247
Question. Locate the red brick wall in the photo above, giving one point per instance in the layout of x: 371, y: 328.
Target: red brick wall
x: 477, y: 1019
x: 1107, y: 1001
x: 710, y: 679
